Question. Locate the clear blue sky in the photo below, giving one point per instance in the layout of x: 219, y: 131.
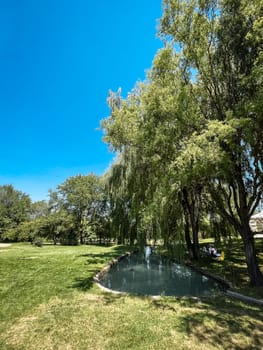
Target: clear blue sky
x: 58, y: 59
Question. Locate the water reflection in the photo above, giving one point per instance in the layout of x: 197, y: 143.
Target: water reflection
x: 147, y: 253
x: 151, y: 274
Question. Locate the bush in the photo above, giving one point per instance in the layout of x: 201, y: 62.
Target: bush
x: 38, y: 242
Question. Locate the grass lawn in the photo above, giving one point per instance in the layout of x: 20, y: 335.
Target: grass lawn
x: 233, y: 268
x: 49, y: 301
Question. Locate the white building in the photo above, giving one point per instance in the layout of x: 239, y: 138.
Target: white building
x: 256, y: 222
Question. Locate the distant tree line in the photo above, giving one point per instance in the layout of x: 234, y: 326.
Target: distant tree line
x: 77, y: 212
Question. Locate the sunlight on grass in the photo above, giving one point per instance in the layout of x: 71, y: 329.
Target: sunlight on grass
x: 234, y: 268
x: 49, y: 301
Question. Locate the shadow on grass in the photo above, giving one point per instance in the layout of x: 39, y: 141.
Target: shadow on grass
x: 114, y: 252
x: 95, y: 262
x: 83, y: 284
x: 219, y: 322
x: 230, y: 319
x: 233, y: 268
x: 109, y: 298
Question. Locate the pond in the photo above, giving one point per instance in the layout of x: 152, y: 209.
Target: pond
x: 151, y: 274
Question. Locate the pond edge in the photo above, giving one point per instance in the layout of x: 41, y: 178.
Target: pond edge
x: 99, y: 275
x: 229, y: 287
x: 227, y: 290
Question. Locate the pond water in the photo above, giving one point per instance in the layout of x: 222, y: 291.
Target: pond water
x: 151, y: 274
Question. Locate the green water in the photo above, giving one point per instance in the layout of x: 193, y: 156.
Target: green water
x: 151, y: 274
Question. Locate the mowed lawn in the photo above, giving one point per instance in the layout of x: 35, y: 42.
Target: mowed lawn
x: 49, y: 301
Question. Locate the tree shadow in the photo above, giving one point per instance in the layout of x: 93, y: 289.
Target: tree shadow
x: 113, y: 253
x: 214, y: 321
x: 83, y: 284
x: 230, y: 319
x: 233, y: 268
x: 96, y: 261
x: 110, y: 298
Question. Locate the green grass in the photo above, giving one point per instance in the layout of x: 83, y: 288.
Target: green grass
x: 233, y: 268
x: 49, y: 301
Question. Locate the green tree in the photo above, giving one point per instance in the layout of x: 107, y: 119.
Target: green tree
x: 14, y: 208
x: 149, y: 129
x: 39, y: 209
x: 60, y: 227
x: 26, y: 231
x: 222, y: 43
x: 196, y: 124
x: 80, y: 196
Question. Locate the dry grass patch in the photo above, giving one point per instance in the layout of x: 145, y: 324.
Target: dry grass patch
x: 51, y: 303
x: 104, y: 321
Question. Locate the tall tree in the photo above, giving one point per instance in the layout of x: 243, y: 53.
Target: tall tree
x: 222, y: 44
x: 80, y: 196
x: 149, y: 129
x: 14, y: 208
x: 197, y: 121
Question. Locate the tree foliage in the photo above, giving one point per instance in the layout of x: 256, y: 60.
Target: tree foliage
x: 15, y: 208
x: 190, y: 136
x: 81, y: 196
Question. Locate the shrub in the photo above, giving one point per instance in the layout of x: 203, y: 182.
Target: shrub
x: 38, y: 242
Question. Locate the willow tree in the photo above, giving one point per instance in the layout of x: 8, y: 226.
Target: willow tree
x: 149, y: 129
x: 221, y: 43
x: 133, y: 174
x: 119, y: 204
x: 170, y: 118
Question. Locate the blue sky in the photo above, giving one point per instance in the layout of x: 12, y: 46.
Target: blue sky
x: 58, y: 59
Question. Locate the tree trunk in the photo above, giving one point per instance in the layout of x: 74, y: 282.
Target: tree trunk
x: 81, y: 237
x: 192, y: 209
x: 241, y: 225
x: 195, y: 241
x: 187, y: 236
x: 255, y: 275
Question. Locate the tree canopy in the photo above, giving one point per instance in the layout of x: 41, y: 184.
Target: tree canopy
x: 15, y: 208
x: 190, y: 136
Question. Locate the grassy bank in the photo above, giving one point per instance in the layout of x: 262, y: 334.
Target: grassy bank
x: 48, y: 301
x: 234, y: 268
